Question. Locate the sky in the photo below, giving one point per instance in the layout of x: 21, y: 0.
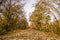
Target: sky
x: 29, y: 7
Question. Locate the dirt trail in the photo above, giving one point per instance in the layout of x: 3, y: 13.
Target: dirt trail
x: 29, y: 34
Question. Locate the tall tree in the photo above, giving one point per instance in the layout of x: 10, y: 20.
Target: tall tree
x: 13, y: 13
x: 39, y: 18
x: 44, y: 11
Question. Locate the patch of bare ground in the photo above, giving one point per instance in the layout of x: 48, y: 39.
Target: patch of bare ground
x: 29, y: 34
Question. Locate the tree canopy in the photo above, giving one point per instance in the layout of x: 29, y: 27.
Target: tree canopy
x: 13, y: 16
x: 41, y: 16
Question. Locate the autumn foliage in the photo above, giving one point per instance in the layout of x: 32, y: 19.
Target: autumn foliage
x: 41, y: 19
x: 12, y: 17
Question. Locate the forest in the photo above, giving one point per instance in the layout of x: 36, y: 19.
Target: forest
x: 45, y: 18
